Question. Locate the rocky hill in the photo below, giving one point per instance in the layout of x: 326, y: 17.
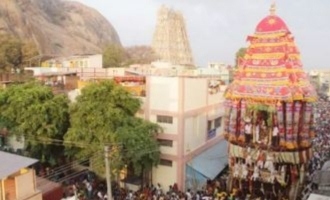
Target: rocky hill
x: 56, y: 26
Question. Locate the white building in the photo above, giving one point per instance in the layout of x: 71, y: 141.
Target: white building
x: 321, y: 80
x: 82, y: 61
x: 220, y: 69
x: 190, y: 110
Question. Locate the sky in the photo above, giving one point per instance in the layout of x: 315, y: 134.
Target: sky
x: 218, y: 28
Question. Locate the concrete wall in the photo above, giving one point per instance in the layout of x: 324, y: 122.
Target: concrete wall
x: 21, y: 186
x: 164, y: 93
x: 217, y: 97
x: 195, y: 132
x: 95, y: 61
x: 10, y: 188
x: 37, y: 71
x: 25, y: 185
x: 195, y: 90
x: 165, y: 175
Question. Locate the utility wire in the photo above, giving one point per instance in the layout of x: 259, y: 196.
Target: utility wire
x: 61, y: 180
x: 70, y: 165
x: 119, y: 147
x: 75, y: 174
x: 46, y: 140
x: 51, y: 142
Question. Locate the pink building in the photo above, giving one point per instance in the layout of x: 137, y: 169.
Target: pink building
x: 190, y: 109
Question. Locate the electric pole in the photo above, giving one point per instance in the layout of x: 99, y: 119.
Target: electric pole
x: 107, y: 171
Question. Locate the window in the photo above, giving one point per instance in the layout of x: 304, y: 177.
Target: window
x: 164, y: 119
x: 166, y: 162
x: 217, y: 122
x: 209, y: 125
x: 166, y: 143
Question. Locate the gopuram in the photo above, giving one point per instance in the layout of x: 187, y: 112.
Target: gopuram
x: 170, y: 41
x: 269, y: 115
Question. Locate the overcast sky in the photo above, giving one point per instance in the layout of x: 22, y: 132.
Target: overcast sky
x: 218, y: 28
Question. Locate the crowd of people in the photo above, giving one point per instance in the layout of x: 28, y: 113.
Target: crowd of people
x: 321, y: 144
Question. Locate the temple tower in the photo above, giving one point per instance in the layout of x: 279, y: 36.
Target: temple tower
x: 269, y: 115
x: 170, y: 41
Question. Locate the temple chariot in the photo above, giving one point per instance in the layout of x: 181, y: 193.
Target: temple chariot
x: 269, y: 115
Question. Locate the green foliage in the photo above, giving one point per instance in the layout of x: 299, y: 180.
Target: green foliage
x: 138, y: 139
x: 114, y: 56
x: 29, y: 51
x: 33, y: 111
x: 104, y: 113
x: 14, y: 53
x: 239, y: 55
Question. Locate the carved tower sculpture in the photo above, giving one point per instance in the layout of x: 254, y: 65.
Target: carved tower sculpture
x: 170, y: 40
x: 269, y: 115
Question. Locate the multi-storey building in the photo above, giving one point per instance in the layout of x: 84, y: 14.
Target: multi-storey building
x: 321, y: 81
x: 190, y: 110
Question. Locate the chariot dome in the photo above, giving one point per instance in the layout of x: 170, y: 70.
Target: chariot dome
x: 269, y: 112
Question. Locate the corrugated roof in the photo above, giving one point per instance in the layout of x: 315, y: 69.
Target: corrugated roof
x: 212, y: 161
x: 11, y: 163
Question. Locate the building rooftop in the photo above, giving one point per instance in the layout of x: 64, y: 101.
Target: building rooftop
x: 11, y: 163
x: 58, y: 74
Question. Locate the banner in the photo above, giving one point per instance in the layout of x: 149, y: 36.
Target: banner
x: 288, y: 125
x: 233, y: 122
x: 280, y: 120
x: 296, y: 119
x: 305, y: 133
x: 241, y: 136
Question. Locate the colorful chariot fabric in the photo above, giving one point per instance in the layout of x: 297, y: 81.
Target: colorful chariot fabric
x: 271, y: 69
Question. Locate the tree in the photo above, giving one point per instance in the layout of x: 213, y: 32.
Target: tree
x: 140, y: 54
x: 140, y: 148
x: 104, y: 114
x: 14, y: 53
x: 29, y: 51
x: 114, y: 56
x: 32, y: 110
x: 239, y: 55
